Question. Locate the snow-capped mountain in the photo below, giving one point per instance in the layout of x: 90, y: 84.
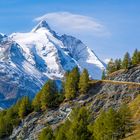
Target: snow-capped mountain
x: 27, y: 60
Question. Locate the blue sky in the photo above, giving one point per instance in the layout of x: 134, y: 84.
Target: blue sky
x: 116, y: 23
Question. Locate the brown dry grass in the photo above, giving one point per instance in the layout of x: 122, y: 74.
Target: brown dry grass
x: 115, y: 82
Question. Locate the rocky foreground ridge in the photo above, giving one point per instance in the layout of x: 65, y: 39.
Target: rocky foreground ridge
x: 131, y: 75
x: 102, y: 94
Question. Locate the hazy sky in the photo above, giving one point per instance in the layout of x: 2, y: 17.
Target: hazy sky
x: 109, y: 27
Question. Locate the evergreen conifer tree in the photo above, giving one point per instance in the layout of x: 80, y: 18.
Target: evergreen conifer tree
x: 99, y: 128
x: 111, y: 67
x: 84, y: 82
x: 138, y: 55
x: 126, y: 61
x: 46, y: 134
x: 36, y: 103
x: 125, y: 120
x: 103, y: 75
x: 135, y: 58
x: 117, y: 64
x: 24, y: 107
x: 112, y: 124
x: 48, y: 94
x: 71, y: 83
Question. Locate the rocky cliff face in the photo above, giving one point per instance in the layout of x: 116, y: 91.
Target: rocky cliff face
x: 111, y: 94
x: 102, y: 94
x: 131, y: 75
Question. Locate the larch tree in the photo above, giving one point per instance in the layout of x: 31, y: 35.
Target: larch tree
x: 84, y: 82
x: 135, y: 58
x: 126, y: 61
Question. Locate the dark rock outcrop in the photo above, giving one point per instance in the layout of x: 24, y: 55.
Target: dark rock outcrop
x: 130, y: 75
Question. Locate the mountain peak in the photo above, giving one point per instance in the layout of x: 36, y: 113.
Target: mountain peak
x: 42, y: 24
x: 40, y: 55
x: 3, y: 37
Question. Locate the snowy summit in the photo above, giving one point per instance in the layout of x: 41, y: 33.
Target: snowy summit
x: 27, y: 60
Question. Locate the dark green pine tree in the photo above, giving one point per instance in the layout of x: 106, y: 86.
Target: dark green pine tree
x: 111, y: 67
x: 78, y: 129
x: 117, y: 64
x: 24, y: 107
x: 48, y: 94
x: 112, y: 124
x: 46, y: 134
x: 84, y: 82
x: 107, y: 126
x: 71, y: 83
x: 3, y: 127
x: 98, y: 129
x: 135, y: 58
x: 138, y: 57
x: 70, y: 91
x: 36, y: 103
x: 48, y: 97
x: 125, y: 120
x: 76, y: 126
x: 103, y: 75
x: 76, y: 75
x: 61, y: 133
x: 126, y: 61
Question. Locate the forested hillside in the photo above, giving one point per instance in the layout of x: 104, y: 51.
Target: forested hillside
x: 87, y: 109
